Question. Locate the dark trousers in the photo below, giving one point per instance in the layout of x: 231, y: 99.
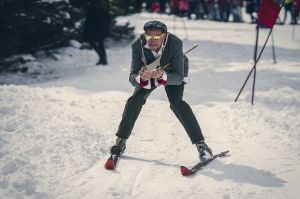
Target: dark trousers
x: 194, y: 7
x: 181, y: 109
x: 99, y: 48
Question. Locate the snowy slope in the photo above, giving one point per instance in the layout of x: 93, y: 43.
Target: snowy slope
x: 55, y: 134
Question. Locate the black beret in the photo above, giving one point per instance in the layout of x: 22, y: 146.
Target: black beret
x: 155, y: 25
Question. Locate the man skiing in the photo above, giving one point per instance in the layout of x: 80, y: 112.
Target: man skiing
x: 157, y: 43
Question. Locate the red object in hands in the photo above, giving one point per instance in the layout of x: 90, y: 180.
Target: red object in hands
x: 143, y: 83
x: 162, y: 81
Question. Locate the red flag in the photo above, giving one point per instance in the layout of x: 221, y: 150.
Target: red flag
x: 268, y: 13
x: 298, y: 5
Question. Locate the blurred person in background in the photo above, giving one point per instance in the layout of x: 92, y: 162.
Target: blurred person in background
x: 194, y: 8
x: 96, y: 28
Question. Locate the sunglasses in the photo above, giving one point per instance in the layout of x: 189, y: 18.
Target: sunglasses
x: 148, y: 37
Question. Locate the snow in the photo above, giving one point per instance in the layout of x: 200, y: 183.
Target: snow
x: 56, y: 127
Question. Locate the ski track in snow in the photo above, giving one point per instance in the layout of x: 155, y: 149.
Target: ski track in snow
x: 56, y: 129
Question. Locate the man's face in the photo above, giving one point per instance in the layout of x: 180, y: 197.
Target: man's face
x: 154, y: 39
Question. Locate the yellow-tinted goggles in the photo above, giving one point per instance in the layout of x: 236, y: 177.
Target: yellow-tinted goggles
x: 148, y: 37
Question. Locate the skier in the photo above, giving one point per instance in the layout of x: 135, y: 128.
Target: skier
x: 158, y: 43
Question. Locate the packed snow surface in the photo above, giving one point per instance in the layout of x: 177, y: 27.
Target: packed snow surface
x: 56, y: 127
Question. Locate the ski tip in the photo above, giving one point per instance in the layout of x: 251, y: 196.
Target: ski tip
x: 185, y: 171
x: 110, y: 164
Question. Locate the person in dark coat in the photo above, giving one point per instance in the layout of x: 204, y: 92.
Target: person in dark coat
x: 96, y: 28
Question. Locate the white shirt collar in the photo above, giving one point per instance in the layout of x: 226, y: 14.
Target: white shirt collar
x: 155, y: 54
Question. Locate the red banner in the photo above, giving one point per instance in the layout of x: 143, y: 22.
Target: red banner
x: 268, y: 13
x: 298, y: 5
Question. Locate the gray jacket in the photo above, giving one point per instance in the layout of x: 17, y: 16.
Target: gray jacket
x: 171, y: 54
